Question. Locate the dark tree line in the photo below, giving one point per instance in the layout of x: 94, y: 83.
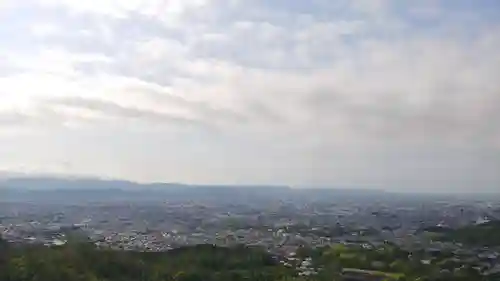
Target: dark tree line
x: 82, y: 262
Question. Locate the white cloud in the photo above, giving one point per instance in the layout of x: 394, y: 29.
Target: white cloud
x: 108, y: 7
x: 44, y: 29
x: 170, y: 12
x: 155, y: 49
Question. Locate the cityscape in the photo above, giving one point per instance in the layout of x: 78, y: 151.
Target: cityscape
x: 283, y: 221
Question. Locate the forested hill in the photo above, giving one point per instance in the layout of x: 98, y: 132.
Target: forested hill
x: 486, y: 234
x: 83, y: 262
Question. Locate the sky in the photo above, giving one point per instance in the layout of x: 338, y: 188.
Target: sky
x: 391, y: 94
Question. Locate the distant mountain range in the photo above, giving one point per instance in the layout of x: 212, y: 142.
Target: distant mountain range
x: 21, y: 187
x: 54, y: 183
x: 53, y: 189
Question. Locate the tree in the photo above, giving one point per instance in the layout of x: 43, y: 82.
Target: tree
x: 79, y: 262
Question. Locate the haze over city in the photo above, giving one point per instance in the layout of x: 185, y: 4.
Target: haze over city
x: 396, y: 95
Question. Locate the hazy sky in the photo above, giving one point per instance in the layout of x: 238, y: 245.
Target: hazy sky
x: 402, y: 95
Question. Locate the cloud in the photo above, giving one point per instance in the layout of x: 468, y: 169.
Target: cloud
x: 328, y: 92
x: 13, y: 118
x: 112, y: 110
x: 44, y: 29
x: 170, y: 12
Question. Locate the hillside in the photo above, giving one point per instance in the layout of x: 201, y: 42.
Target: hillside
x: 487, y: 234
x: 84, y: 263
